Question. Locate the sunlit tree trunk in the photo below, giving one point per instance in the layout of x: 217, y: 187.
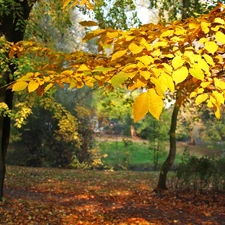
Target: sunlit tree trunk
x: 9, y: 28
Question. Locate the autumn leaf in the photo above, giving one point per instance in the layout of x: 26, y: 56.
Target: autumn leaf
x: 32, y: 86
x: 211, y: 47
x: 180, y: 74
x: 88, y: 23
x: 146, y: 59
x: 177, y: 62
x: 201, y: 98
x: 19, y: 86
x: 219, y: 97
x: 219, y: 20
x: 118, y: 54
x: 119, y: 79
x: 197, y: 73
x: 135, y: 49
x: 155, y: 106
x: 140, y: 106
x: 220, y: 37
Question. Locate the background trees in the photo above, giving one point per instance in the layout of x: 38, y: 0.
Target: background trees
x: 143, y: 58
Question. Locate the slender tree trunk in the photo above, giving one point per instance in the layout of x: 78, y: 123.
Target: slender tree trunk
x: 172, y: 152
x: 4, y: 137
x: 186, y: 4
x: 9, y: 28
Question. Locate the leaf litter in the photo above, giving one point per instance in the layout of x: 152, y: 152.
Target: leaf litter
x: 37, y: 196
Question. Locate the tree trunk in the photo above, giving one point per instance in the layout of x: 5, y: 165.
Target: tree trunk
x: 9, y: 28
x: 172, y: 152
x: 185, y: 9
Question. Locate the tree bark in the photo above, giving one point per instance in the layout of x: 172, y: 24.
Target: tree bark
x: 9, y: 28
x: 172, y: 152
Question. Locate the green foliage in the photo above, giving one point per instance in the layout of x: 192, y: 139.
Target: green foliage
x: 15, y: 9
x: 115, y: 15
x: 201, y: 173
x: 128, y: 155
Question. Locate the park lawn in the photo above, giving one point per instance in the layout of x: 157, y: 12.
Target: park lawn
x: 45, y: 196
x: 136, y: 155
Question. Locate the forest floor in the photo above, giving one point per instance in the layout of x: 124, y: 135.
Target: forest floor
x: 44, y: 196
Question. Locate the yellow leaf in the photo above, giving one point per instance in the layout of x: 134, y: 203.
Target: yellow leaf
x: 82, y: 68
x: 146, y: 60
x: 220, y: 37
x: 205, y: 27
x: 219, y: 97
x: 145, y: 74
x: 193, y: 94
x: 129, y: 38
x: 93, y: 34
x: 118, y: 54
x: 167, y: 68
x: 203, y: 40
x: 193, y: 25
x: 103, y: 69
x: 160, y: 44
x: 163, y: 83
x: 219, y: 20
x: 140, y: 106
x: 177, y: 62
x: 49, y: 86
x: 167, y: 33
x: 219, y: 59
x: 209, y: 103
x: 112, y: 34
x: 155, y: 106
x: 209, y: 59
x: 32, y: 86
x: 136, y: 85
x: 217, y: 111
x: 205, y: 84
x: 197, y: 73
x: 201, y: 98
x: 203, y: 65
x: 211, y: 47
x: 188, y: 55
x: 130, y: 68
x: 19, y: 86
x: 213, y: 100
x: 217, y: 83
x: 222, y: 85
x: 180, y: 74
x: 88, y: 23
x: 119, y: 79
x: 200, y: 90
x: 180, y: 31
x: 170, y: 83
x: 135, y: 49
x: 158, y: 86
x: 67, y: 72
x: 156, y: 53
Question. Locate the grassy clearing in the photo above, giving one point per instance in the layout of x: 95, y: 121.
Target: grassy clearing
x: 132, y: 155
x: 138, y: 155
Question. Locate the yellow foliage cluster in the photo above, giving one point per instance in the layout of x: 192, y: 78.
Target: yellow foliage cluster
x: 23, y: 111
x: 185, y: 57
x: 67, y: 123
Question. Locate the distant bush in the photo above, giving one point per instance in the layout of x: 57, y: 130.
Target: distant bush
x: 201, y: 173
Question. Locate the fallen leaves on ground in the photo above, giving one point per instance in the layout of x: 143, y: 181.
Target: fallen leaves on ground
x: 37, y: 196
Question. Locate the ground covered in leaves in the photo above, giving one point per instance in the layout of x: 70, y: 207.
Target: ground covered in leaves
x: 66, y: 197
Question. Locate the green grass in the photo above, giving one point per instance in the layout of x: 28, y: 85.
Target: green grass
x: 134, y: 155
